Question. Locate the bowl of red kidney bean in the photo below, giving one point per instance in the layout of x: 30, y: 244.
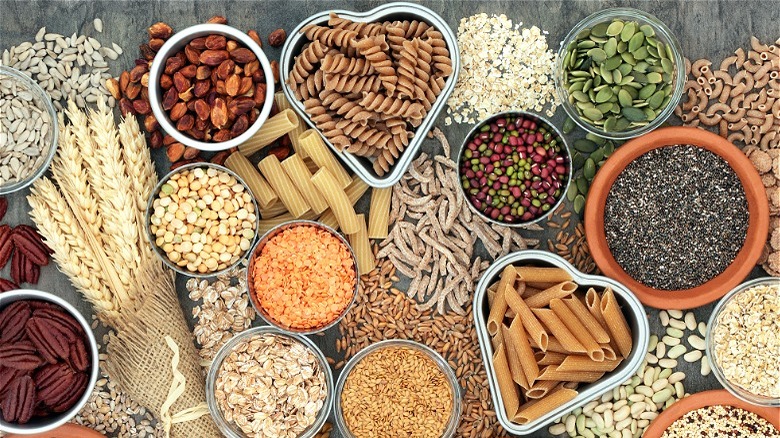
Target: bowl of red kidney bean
x: 514, y: 168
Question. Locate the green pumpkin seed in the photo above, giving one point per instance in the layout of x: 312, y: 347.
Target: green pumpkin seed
x: 653, y: 52
x: 640, y: 53
x: 628, y: 57
x: 667, y: 99
x: 652, y: 41
x: 600, y: 141
x: 609, y: 149
x: 633, y: 114
x: 628, y: 31
x: 584, y: 105
x: 667, y: 65
x: 587, y: 85
x: 599, y: 30
x: 622, y: 46
x: 615, y: 28
x: 634, y: 92
x: 610, y: 47
x: 621, y: 124
x: 640, y: 103
x: 624, y: 98
x: 583, y: 34
x: 654, y: 78
x: 625, y: 69
x: 597, y: 80
x: 626, y: 80
x: 604, y: 95
x: 571, y: 192
x: 656, y: 99
x: 597, y: 155
x: 597, y: 54
x: 605, y: 73
x: 646, y: 29
x: 605, y: 107
x: 576, y: 86
x: 579, y: 204
x: 609, y: 124
x: 592, y: 95
x: 592, y: 114
x: 582, y: 185
x: 577, y: 160
x: 586, y: 44
x: 617, y: 76
x: 668, y: 50
x: 647, y: 91
x: 641, y: 66
x: 580, y: 96
x: 613, y: 62
x: 589, y: 171
x: 579, y: 74
x: 636, y: 41
x: 649, y: 113
x: 568, y: 125
x: 585, y: 145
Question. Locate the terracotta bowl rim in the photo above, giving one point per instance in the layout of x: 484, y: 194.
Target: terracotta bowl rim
x: 703, y: 399
x: 67, y: 430
x: 747, y: 257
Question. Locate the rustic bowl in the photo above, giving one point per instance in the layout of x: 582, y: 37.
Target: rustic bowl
x: 176, y: 43
x: 758, y: 226
x: 67, y: 430
x: 704, y: 399
x: 45, y: 425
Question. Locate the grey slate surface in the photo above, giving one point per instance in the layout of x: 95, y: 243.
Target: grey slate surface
x: 711, y: 29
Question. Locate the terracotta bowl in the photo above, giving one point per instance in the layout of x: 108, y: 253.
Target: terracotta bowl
x: 67, y: 430
x: 703, y: 399
x: 745, y: 261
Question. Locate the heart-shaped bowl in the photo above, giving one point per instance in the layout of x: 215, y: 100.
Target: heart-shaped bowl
x: 705, y: 399
x: 630, y: 305
x: 388, y: 12
x: 735, y: 273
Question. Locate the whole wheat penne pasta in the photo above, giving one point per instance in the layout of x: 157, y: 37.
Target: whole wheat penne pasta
x: 517, y: 339
x: 510, y: 314
x: 530, y: 322
x: 583, y: 315
x: 534, y: 409
x: 283, y: 104
x: 283, y: 186
x: 531, y: 291
x: 579, y: 331
x: 337, y: 200
x: 616, y: 322
x: 540, y: 389
x: 559, y: 330
x: 513, y: 357
x: 552, y: 358
x: 553, y: 345
x: 354, y: 191
x: 551, y: 372
x: 593, y: 302
x: 362, y: 247
x: 609, y: 352
x: 379, y: 213
x: 259, y: 187
x: 300, y: 176
x: 560, y: 290
x: 315, y: 148
x: 273, y: 128
x: 542, y: 285
x: 584, y: 363
x: 497, y: 312
x: 491, y: 296
x: 532, y: 274
x: 510, y: 399
x: 497, y: 340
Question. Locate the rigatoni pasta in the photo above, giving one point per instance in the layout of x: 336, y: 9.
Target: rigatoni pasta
x: 273, y: 128
x: 362, y: 247
x: 315, y: 148
x: 300, y: 176
x: 283, y: 104
x: 379, y: 213
x: 283, y: 186
x: 259, y: 187
x: 337, y: 199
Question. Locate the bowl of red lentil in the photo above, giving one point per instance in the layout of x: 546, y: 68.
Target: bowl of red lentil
x: 302, y: 277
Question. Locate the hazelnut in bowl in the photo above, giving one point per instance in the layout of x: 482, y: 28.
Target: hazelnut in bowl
x: 208, y: 87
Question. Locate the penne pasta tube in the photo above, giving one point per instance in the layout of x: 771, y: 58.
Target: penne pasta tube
x: 379, y: 213
x: 553, y: 345
x: 301, y: 177
x: 362, y: 247
x: 551, y: 372
x: 542, y: 286
x: 497, y: 340
x: 531, y: 274
x: 513, y: 357
x: 609, y: 352
x: 593, y: 303
x: 530, y: 322
x: 560, y: 331
x: 510, y: 314
x: 518, y: 339
x: 354, y: 191
x: 497, y: 311
x: 510, y: 399
x: 584, y: 316
x: 283, y: 104
x: 315, y: 148
x: 616, y: 322
x: 283, y: 186
x: 535, y: 409
x: 259, y: 187
x: 552, y: 358
x: 491, y: 296
x: 560, y: 290
x: 579, y: 331
x: 583, y: 363
x: 530, y: 291
x: 540, y: 389
x: 273, y: 128
x: 337, y: 199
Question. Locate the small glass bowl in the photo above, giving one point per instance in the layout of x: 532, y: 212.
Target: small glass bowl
x: 541, y: 121
x: 452, y: 424
x: 42, y: 100
x: 662, y: 33
x: 251, y: 284
x: 230, y: 430
x: 150, y: 211
x: 732, y: 387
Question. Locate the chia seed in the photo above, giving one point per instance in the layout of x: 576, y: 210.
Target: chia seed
x: 676, y: 217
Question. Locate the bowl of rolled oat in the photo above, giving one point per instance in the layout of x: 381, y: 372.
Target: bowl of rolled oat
x: 267, y: 383
x: 28, y: 140
x: 742, y: 341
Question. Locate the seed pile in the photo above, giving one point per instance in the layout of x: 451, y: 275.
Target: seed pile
x: 745, y: 105
x: 434, y: 232
x: 767, y: 163
x: 225, y: 310
x: 383, y: 312
x: 74, y: 67
x: 589, y: 154
x: 572, y: 246
x: 671, y: 195
x: 719, y: 421
x: 503, y: 67
x: 746, y: 343
x: 677, y: 328
x: 25, y: 138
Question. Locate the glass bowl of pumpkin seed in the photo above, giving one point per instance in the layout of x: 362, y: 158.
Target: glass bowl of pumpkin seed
x: 620, y: 73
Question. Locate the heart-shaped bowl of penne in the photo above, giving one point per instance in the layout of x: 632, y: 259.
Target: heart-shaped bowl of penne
x: 553, y: 338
